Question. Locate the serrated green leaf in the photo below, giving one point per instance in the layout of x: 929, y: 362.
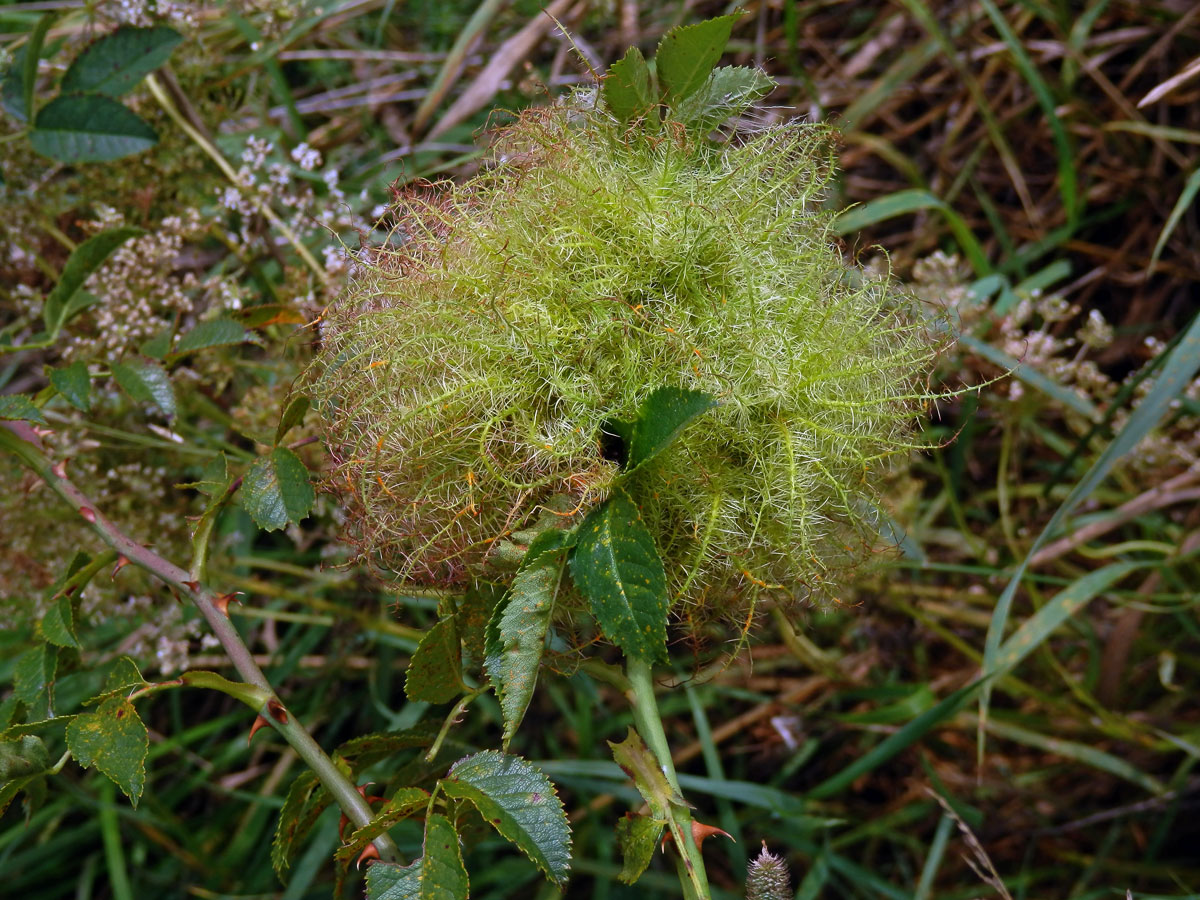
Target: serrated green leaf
x: 33, y: 673
x: 638, y: 838
x: 146, y: 381
x: 213, y: 333
x: 83, y: 261
x: 80, y: 128
x: 729, y: 91
x: 626, y: 88
x: 124, y: 674
x: 35, y: 792
x: 687, y: 54
x: 636, y: 760
x: 115, y: 741
x: 616, y: 566
x: 58, y: 624
x: 19, y: 406
x: 474, y: 614
x: 435, y: 671
x: 158, y: 346
x: 517, y: 632
x: 23, y: 757
x: 293, y: 415
x: 520, y: 802
x: 12, y: 88
x: 114, y: 64
x: 277, y: 490
x: 305, y: 802
x: 368, y: 749
x: 74, y: 384
x: 401, y: 805
x: 663, y: 415
x: 439, y: 874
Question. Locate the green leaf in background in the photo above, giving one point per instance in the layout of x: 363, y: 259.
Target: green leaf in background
x: 729, y: 91
x: 277, y: 490
x: 404, y: 803
x: 74, y: 384
x: 626, y: 87
x: 21, y: 78
x: 306, y: 800
x: 520, y: 802
x: 517, y: 632
x: 124, y: 674
x: 617, y: 568
x: 58, y: 624
x: 83, y: 261
x: 23, y: 757
x: 293, y: 415
x: 19, y: 406
x: 438, y: 874
x: 474, y: 615
x: 638, y: 838
x: 158, y: 346
x: 146, y: 381
x: 213, y: 333
x: 687, y: 54
x: 12, y: 88
x: 81, y: 128
x: 115, y: 741
x: 366, y: 750
x: 435, y: 671
x: 114, y: 64
x: 34, y: 673
x: 664, y: 414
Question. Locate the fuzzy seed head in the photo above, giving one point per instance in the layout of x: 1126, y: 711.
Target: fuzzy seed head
x: 768, y: 878
x: 466, y: 373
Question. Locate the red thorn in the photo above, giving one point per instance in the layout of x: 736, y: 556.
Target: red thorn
x: 369, y: 852
x: 122, y: 562
x: 700, y: 831
x: 89, y: 514
x: 59, y: 469
x: 222, y: 601
x: 278, y: 713
x: 259, y: 722
x: 42, y: 432
x: 342, y: 823
x: 192, y: 585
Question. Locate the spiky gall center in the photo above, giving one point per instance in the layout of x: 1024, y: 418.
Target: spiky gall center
x: 768, y: 878
x: 466, y: 374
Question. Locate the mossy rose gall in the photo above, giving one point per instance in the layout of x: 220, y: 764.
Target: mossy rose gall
x: 467, y: 375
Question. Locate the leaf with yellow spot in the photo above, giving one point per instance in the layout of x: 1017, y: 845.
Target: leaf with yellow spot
x: 115, y: 741
x: 617, y: 568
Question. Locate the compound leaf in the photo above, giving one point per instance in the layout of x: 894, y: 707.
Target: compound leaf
x: 20, y: 406
x: 520, y: 802
x: 404, y: 803
x: 33, y: 673
x: 305, y: 802
x: 58, y: 624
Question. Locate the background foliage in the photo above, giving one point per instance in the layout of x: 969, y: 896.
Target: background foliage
x: 1033, y: 165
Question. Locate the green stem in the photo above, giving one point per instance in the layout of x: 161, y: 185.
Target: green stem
x: 21, y: 440
x: 649, y: 724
